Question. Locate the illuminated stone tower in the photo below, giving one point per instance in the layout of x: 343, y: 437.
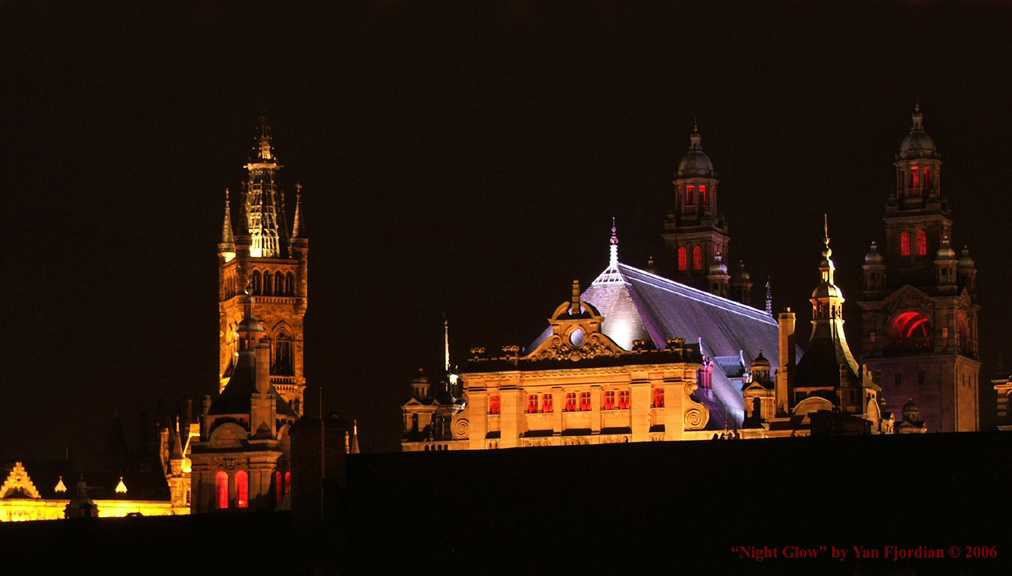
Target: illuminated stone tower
x: 920, y: 299
x: 696, y: 237
x: 263, y: 258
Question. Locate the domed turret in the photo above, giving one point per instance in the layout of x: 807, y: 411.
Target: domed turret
x: 695, y: 163
x: 965, y: 262
x: 873, y: 257
x: 910, y: 411
x: 945, y: 251
x: 917, y: 143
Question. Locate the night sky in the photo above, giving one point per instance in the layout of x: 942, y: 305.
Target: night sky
x: 457, y: 157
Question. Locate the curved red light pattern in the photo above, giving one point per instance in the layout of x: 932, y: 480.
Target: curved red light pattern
x: 683, y: 259
x: 905, y: 244
x: 493, y: 404
x: 909, y: 325
x: 922, y: 243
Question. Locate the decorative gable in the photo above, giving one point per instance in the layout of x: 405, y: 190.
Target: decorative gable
x: 18, y: 484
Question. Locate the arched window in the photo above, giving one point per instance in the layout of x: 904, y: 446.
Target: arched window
x: 927, y: 178
x: 546, y: 403
x: 241, y: 489
x: 493, y: 404
x: 683, y: 259
x: 915, y: 182
x: 922, y: 243
x: 697, y: 258
x: 279, y: 284
x: 690, y: 195
x: 905, y: 243
x: 283, y: 355
x: 256, y: 282
x: 268, y: 284
x: 221, y: 490
x: 703, y: 198
x: 277, y: 487
x: 288, y: 482
x: 289, y: 284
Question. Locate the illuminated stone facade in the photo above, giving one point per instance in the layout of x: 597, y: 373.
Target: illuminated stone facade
x: 920, y: 298
x: 262, y: 258
x: 241, y: 459
x: 47, y: 496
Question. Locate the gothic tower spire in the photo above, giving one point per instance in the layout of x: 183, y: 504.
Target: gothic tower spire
x: 262, y: 208
x: 227, y: 245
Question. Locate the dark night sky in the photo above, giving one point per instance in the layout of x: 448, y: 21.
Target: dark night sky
x: 464, y: 157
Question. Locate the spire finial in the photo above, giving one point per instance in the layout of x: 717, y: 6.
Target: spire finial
x: 613, y: 254
x: 226, y: 227
x: 297, y: 225
x: 825, y: 240
x: 265, y: 137
x: 695, y: 125
x: 695, y: 138
x: 769, y: 297
x: 574, y: 306
x: 446, y: 344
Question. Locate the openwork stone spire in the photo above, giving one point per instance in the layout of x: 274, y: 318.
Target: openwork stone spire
x: 262, y: 209
x: 611, y: 275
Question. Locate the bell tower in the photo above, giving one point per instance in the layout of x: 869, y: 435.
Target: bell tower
x: 262, y: 258
x: 920, y: 300
x: 695, y: 236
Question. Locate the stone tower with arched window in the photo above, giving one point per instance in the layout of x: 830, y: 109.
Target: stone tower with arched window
x: 695, y: 234
x: 265, y: 259
x: 920, y: 298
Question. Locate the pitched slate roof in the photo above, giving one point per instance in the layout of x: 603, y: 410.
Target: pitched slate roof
x: 637, y: 305
x: 647, y: 306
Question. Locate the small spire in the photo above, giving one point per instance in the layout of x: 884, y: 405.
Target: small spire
x: 574, y: 306
x: 297, y: 225
x: 769, y: 297
x: 446, y: 344
x: 917, y: 117
x: 613, y: 257
x: 354, y: 437
x: 695, y: 138
x: 827, y: 264
x: 265, y: 138
x: 226, y: 227
x: 825, y: 232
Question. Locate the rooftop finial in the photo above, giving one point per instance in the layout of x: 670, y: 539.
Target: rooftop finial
x: 769, y: 297
x: 265, y: 137
x: 574, y: 306
x: 446, y: 344
x: 226, y: 227
x: 613, y: 255
x: 695, y: 138
x: 297, y: 224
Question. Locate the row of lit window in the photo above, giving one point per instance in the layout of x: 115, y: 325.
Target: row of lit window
x: 577, y: 402
x: 242, y: 488
x: 277, y: 284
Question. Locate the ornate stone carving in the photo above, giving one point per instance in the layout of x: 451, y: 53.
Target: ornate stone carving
x: 696, y: 418
x: 461, y: 428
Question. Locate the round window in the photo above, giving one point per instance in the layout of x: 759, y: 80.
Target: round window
x: 576, y: 337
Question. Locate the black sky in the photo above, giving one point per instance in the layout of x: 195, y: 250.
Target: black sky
x: 464, y: 157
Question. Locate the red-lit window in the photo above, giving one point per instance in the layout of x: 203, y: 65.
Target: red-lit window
x: 702, y: 195
x: 690, y: 195
x: 288, y: 482
x: 278, y: 490
x: 493, y: 404
x: 221, y: 490
x: 571, y: 402
x: 546, y: 403
x: 584, y: 401
x: 927, y: 178
x: 241, y: 489
x: 623, y: 400
x: 658, y: 398
x: 914, y: 180
x: 683, y: 259
x: 532, y: 403
x: 905, y: 244
x: 922, y: 243
x: 609, y: 399
x: 697, y: 258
